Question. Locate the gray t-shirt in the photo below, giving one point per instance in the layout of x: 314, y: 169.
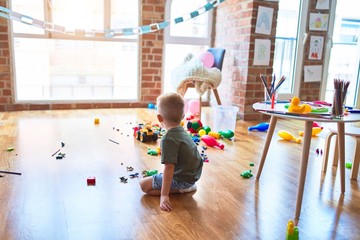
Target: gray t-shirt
x: 178, y: 148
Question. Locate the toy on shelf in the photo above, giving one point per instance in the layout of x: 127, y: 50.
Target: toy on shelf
x: 292, y: 232
x: 261, y: 127
x: 227, y: 134
x: 296, y: 107
x: 194, y: 126
x: 145, y: 133
x: 211, y: 141
x: 288, y: 136
x: 315, y: 131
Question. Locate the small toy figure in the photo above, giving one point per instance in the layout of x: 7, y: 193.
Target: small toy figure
x: 96, y: 121
x: 129, y: 168
x: 123, y: 179
x: 261, y: 127
x: 246, y: 174
x: 211, y: 141
x: 134, y: 175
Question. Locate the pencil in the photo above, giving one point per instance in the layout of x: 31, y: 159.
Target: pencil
x: 8, y: 172
x: 113, y: 141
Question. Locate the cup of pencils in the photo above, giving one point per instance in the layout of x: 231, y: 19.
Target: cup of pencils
x: 340, y: 90
x: 271, y: 88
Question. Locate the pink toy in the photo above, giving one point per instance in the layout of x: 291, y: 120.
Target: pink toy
x: 211, y: 141
x: 207, y: 59
x: 193, y: 106
x: 316, y: 124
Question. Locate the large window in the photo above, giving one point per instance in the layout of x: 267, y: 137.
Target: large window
x: 52, y: 66
x: 344, y: 62
x: 192, y: 36
x: 290, y: 32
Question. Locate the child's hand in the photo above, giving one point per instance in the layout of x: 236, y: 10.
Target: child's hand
x: 165, y: 203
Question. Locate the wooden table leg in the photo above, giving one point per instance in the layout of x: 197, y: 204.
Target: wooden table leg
x: 269, y: 135
x: 341, y: 149
x: 303, y: 167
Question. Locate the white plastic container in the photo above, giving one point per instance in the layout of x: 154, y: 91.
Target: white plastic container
x: 224, y: 118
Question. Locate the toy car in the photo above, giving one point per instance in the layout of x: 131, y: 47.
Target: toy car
x: 145, y: 133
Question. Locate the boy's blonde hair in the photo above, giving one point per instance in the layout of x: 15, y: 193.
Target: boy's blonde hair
x: 171, y: 107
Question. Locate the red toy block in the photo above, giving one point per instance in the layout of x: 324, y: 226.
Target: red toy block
x: 91, y: 181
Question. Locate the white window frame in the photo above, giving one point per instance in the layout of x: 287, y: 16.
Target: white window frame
x: 60, y: 36
x: 168, y: 39
x: 300, y: 46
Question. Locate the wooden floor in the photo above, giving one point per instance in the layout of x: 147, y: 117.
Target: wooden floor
x: 51, y: 199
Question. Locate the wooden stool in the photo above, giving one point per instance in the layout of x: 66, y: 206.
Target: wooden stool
x: 350, y: 131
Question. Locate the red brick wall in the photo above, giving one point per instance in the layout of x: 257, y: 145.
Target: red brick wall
x: 153, y: 11
x: 6, y: 85
x: 235, y: 31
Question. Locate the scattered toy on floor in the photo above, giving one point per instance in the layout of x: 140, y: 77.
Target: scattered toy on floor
x: 315, y: 131
x: 96, y: 121
x: 215, y: 135
x: 246, y: 174
x: 261, y: 127
x: 348, y: 165
x: 10, y: 149
x: 151, y: 105
x: 123, y: 179
x: 129, y: 169
x: 226, y: 134
x: 292, y: 232
x: 60, y: 156
x: 154, y: 152
x: 147, y: 173
x: 134, y: 175
x: 113, y: 141
x: 194, y: 126
x: 8, y: 172
x: 211, y: 141
x: 319, y: 151
x: 288, y: 136
x: 146, y: 133
x: 91, y: 181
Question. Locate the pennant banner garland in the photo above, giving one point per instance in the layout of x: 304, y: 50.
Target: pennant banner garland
x: 108, y: 33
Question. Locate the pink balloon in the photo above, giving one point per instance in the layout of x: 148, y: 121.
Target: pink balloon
x: 207, y: 59
x: 186, y: 106
x: 194, y: 106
